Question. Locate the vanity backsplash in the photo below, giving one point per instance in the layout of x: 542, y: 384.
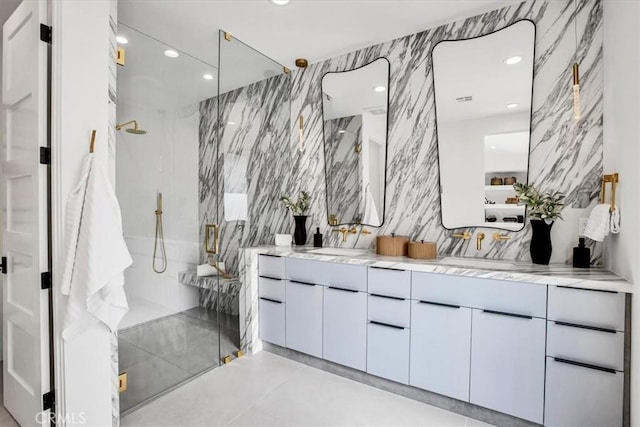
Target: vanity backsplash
x: 566, y: 155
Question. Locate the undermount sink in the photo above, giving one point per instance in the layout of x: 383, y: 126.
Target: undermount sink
x: 478, y: 263
x: 338, y: 251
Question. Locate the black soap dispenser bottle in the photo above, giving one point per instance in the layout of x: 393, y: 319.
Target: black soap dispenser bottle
x: 581, y: 255
x: 317, y: 239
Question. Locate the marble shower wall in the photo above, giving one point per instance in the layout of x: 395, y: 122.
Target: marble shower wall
x: 566, y: 155
x: 343, y: 145
x: 242, y: 178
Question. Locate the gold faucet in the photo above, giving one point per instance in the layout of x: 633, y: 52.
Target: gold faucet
x: 465, y: 236
x: 498, y: 237
x: 479, y: 239
x: 345, y: 231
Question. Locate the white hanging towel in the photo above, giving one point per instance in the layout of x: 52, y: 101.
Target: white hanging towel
x: 599, y: 223
x: 97, y: 254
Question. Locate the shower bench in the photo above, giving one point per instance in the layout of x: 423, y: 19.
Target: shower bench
x: 216, y: 293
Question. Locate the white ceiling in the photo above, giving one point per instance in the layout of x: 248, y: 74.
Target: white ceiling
x: 477, y: 68
x: 312, y: 29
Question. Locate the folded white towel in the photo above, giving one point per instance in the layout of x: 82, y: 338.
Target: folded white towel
x: 97, y: 254
x: 599, y: 223
x: 615, y: 221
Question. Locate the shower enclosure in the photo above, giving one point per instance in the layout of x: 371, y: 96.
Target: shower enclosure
x: 199, y: 127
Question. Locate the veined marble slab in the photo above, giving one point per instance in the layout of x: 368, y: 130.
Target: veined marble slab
x: 215, y: 293
x: 554, y: 274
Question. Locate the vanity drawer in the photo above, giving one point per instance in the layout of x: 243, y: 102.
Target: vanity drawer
x: 305, y: 270
x: 596, y: 347
x: 345, y: 276
x: 272, y: 289
x: 390, y: 282
x: 496, y: 295
x: 580, y: 395
x: 587, y: 307
x: 390, y: 311
x: 271, y: 266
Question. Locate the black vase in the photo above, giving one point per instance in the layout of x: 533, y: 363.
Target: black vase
x: 300, y: 233
x: 540, y: 242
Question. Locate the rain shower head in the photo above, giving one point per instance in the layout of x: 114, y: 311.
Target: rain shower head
x: 134, y: 130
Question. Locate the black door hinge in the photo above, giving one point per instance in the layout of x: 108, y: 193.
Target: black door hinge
x: 45, y: 33
x: 45, y: 280
x: 45, y: 155
x: 48, y: 400
x: 3, y: 265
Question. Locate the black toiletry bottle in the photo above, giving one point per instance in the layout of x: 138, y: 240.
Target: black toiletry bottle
x: 317, y: 239
x: 581, y: 255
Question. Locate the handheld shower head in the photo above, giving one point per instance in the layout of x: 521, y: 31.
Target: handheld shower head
x: 135, y: 130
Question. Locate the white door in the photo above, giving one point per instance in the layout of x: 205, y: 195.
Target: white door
x: 303, y: 317
x: 345, y: 327
x: 507, y: 363
x: 441, y: 348
x: 25, y: 242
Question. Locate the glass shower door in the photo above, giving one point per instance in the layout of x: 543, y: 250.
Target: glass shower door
x: 170, y: 335
x: 251, y: 158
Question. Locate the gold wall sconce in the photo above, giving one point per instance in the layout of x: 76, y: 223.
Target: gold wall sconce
x: 301, y: 129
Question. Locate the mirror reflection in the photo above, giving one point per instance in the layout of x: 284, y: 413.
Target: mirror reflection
x: 483, y: 89
x: 354, y: 111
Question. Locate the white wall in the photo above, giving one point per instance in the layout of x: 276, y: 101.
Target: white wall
x: 462, y: 144
x: 81, y: 53
x: 163, y: 160
x: 621, y: 154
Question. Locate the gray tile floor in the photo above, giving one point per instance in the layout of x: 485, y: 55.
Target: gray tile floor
x: 267, y: 390
x: 163, y: 353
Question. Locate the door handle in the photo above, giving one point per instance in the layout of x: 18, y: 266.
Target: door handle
x: 3, y: 265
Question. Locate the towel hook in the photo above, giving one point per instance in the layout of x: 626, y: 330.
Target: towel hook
x: 93, y: 141
x: 613, y: 179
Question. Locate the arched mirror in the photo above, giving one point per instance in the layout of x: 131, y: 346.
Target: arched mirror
x: 483, y: 88
x: 354, y: 112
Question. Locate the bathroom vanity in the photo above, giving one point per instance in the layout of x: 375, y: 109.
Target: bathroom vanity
x: 548, y: 345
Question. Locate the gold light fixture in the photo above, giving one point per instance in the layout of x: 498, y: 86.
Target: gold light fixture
x: 576, y: 72
x: 301, y: 128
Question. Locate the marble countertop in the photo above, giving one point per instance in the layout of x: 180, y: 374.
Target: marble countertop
x: 554, y: 274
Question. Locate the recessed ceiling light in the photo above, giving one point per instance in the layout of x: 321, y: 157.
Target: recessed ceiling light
x: 379, y: 89
x: 280, y: 2
x: 231, y: 123
x: 207, y: 76
x: 512, y: 105
x: 513, y: 60
x: 122, y: 40
x: 171, y: 53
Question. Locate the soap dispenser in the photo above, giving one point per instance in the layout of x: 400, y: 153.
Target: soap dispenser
x: 581, y: 255
x: 317, y: 239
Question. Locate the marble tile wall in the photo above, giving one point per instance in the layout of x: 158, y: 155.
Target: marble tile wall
x: 344, y: 172
x: 566, y: 155
x: 242, y: 178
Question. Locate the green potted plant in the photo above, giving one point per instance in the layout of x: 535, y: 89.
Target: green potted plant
x: 299, y: 208
x: 543, y: 209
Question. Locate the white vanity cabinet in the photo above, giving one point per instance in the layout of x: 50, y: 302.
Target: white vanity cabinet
x: 508, y: 363
x: 345, y: 327
x: 303, y: 323
x: 271, y: 303
x: 585, y: 358
x: 441, y: 348
x: 389, y: 316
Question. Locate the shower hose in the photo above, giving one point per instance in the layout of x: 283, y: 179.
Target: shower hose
x: 159, y: 239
